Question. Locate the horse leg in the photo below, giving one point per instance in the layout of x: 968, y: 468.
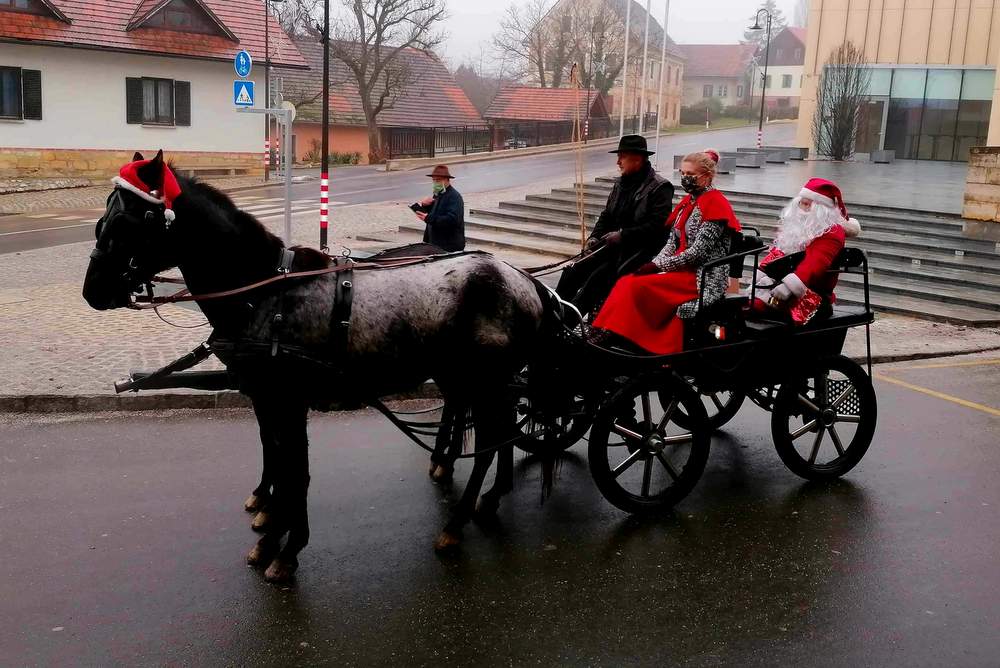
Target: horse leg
x: 486, y: 434
x: 272, y: 520
x: 259, y: 500
x: 442, y: 462
x: 294, y: 492
x: 506, y: 419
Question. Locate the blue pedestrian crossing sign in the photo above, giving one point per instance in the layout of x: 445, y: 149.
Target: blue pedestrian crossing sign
x: 242, y: 63
x: 243, y: 93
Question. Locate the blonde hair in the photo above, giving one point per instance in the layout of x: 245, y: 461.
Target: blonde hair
x: 706, y: 161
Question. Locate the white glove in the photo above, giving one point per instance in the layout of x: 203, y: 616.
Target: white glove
x: 781, y: 292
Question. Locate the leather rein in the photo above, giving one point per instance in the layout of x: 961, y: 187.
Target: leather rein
x: 150, y: 301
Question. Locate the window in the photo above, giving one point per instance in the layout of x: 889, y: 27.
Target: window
x: 151, y: 101
x: 20, y: 93
x: 739, y: 91
x: 767, y: 81
x: 26, y: 6
x: 706, y: 90
x: 778, y: 53
x: 786, y: 80
x: 723, y: 90
x: 181, y: 16
x: 798, y: 55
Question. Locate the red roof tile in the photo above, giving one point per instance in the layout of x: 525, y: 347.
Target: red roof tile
x: 103, y: 23
x: 800, y: 33
x: 432, y: 99
x: 716, y: 60
x: 524, y: 103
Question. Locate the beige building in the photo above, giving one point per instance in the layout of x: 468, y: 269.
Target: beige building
x: 933, y: 92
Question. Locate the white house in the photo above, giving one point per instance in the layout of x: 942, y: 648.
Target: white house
x: 84, y: 84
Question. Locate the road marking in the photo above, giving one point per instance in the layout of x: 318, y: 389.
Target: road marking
x: 69, y: 217
x: 44, y: 229
x: 939, y: 395
x: 366, y: 190
x: 42, y: 215
x: 947, y: 365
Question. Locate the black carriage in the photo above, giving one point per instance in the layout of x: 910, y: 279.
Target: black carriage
x: 648, y: 419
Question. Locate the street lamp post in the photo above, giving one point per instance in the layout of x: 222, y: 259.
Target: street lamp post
x: 763, y: 79
x: 267, y: 86
x: 324, y: 177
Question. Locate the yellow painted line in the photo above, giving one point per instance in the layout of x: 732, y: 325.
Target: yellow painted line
x: 939, y: 395
x: 946, y: 365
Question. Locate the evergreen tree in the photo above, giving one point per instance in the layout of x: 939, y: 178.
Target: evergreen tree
x: 778, y: 22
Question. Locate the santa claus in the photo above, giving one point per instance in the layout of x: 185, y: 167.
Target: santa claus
x: 793, y: 279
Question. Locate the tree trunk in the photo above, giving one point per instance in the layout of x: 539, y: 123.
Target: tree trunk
x: 376, y: 154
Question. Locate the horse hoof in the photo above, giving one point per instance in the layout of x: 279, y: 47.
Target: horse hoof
x: 441, y: 474
x: 253, y: 503
x: 280, y: 570
x: 259, y: 555
x: 260, y: 521
x: 447, y: 542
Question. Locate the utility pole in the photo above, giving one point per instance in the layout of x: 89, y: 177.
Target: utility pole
x: 642, y: 76
x: 663, y: 65
x: 324, y: 175
x: 628, y: 34
x: 267, y: 90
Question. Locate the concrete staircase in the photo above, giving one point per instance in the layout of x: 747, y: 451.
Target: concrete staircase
x: 920, y: 263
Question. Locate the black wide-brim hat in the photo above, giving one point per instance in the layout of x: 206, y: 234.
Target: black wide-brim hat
x: 633, y: 144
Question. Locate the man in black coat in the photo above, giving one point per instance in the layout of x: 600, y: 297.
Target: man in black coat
x: 629, y: 232
x: 444, y: 213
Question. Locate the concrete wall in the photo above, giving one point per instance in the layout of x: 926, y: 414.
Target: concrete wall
x: 917, y: 32
x: 342, y: 139
x: 83, y: 113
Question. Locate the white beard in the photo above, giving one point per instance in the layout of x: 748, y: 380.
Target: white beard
x: 799, y: 228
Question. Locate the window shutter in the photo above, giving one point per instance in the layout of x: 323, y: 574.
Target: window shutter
x: 182, y: 103
x: 31, y: 94
x: 133, y: 100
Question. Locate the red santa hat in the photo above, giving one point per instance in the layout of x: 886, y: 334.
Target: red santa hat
x: 158, y: 193
x: 824, y: 192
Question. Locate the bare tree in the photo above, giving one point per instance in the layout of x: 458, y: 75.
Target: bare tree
x: 598, y: 46
x: 369, y: 38
x: 521, y: 43
x: 778, y: 22
x: 840, y: 94
x: 298, y: 17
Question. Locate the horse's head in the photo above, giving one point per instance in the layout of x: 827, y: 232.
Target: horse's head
x: 132, y: 235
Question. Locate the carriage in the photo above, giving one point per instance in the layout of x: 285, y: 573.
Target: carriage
x: 648, y: 420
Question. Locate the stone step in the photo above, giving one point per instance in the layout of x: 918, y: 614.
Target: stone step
x: 502, y: 240
x: 892, y: 246
x: 920, y: 308
x: 937, y: 229
x: 917, y: 282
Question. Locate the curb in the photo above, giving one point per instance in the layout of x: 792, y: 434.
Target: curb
x: 134, y: 402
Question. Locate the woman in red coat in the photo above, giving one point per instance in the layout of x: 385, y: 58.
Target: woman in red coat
x: 794, y: 280
x: 644, y: 307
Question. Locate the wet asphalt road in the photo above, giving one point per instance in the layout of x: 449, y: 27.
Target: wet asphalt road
x: 123, y: 539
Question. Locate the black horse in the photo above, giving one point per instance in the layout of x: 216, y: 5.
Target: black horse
x: 469, y: 322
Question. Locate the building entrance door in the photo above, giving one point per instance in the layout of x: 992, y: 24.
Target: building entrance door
x: 871, y: 126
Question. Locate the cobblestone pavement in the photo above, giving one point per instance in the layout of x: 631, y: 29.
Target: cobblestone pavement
x: 18, y: 185
x: 54, y: 343
x: 69, y: 197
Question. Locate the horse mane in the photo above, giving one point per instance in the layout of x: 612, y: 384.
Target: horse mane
x: 306, y: 259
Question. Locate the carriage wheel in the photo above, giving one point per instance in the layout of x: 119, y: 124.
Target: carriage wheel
x: 556, y: 433
x: 764, y: 396
x: 823, y: 424
x: 720, y: 407
x: 641, y: 458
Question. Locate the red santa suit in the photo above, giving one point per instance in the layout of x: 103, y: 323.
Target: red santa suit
x: 642, y: 308
x: 814, y: 240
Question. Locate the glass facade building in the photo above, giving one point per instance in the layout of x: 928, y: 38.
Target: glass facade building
x: 926, y: 113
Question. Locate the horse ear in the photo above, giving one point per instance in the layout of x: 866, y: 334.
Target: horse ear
x: 152, y: 172
x: 137, y: 157
x: 158, y: 158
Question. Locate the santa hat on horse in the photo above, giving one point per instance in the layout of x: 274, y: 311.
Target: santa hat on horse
x: 826, y: 193
x: 163, y: 193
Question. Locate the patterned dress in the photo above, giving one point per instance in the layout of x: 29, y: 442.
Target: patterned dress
x: 644, y: 308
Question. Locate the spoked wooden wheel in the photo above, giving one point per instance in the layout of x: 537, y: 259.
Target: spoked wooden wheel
x: 720, y: 408
x: 823, y: 424
x: 641, y: 458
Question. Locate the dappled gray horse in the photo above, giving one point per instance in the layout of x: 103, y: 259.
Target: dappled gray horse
x: 469, y: 322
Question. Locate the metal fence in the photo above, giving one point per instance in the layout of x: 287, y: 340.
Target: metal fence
x: 411, y: 142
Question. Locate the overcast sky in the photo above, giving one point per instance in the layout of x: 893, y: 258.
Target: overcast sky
x: 473, y: 22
